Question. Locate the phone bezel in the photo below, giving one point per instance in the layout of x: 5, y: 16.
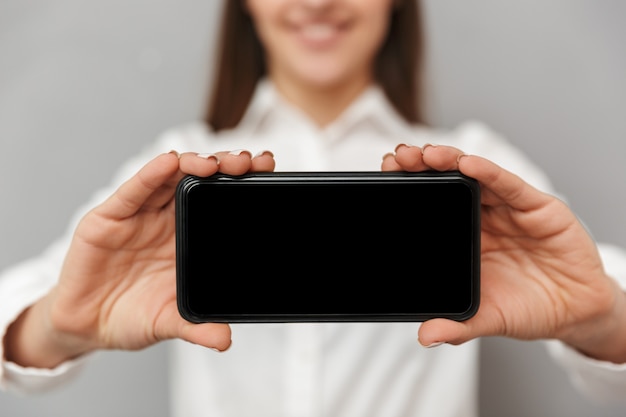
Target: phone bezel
x: 309, y: 178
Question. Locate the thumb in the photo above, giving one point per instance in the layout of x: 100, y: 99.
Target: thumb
x: 435, y: 332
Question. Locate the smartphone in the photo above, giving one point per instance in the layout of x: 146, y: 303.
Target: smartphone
x: 328, y: 247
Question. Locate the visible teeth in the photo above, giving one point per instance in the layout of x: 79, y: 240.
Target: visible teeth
x: 318, y: 31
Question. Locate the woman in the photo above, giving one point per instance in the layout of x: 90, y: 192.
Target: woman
x: 317, y: 85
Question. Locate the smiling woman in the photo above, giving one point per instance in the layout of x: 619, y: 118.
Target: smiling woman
x: 324, y: 101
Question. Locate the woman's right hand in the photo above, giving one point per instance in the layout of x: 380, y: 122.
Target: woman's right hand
x: 117, y: 285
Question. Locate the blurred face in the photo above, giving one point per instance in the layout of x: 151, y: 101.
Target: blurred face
x: 321, y: 43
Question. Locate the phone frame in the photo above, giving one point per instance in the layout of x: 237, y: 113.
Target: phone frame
x: 304, y: 178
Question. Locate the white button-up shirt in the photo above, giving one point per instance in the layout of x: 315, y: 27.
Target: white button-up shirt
x: 317, y: 369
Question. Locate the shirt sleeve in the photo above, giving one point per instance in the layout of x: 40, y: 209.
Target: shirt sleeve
x: 604, y: 382
x: 23, y: 284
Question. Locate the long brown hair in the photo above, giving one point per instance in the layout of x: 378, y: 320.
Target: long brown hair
x: 241, y: 63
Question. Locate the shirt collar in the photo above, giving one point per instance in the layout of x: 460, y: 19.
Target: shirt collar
x: 371, y: 107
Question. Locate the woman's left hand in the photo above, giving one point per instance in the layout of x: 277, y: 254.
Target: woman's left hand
x: 541, y: 273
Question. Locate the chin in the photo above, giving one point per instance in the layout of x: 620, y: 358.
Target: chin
x: 324, y: 77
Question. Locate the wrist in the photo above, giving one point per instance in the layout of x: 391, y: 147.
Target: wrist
x: 603, y: 337
x: 30, y: 341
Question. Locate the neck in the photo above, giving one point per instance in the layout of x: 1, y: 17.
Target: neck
x: 323, y: 103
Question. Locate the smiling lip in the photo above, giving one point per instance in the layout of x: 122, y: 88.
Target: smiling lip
x: 319, y: 35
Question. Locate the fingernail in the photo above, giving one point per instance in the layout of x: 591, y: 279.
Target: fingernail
x: 433, y: 345
x: 261, y: 153
x: 388, y: 154
x: 238, y: 152
x: 208, y: 156
x: 408, y: 145
x: 173, y: 152
x: 426, y: 145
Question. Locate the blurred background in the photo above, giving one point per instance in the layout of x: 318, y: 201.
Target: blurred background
x: 85, y: 85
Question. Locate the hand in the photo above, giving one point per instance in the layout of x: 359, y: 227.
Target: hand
x: 117, y: 285
x: 541, y: 273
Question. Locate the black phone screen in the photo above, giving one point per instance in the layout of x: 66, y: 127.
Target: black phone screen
x: 280, y: 247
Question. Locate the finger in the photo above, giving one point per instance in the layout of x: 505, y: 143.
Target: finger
x: 152, y: 187
x: 199, y: 164
x: 212, y: 335
x: 389, y: 163
x: 410, y: 158
x: 442, y: 158
x: 501, y: 185
x: 263, y: 162
x: 235, y: 162
x: 437, y: 331
x: 171, y: 325
x: 498, y: 185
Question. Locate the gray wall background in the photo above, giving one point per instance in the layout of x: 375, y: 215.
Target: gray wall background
x: 83, y: 85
